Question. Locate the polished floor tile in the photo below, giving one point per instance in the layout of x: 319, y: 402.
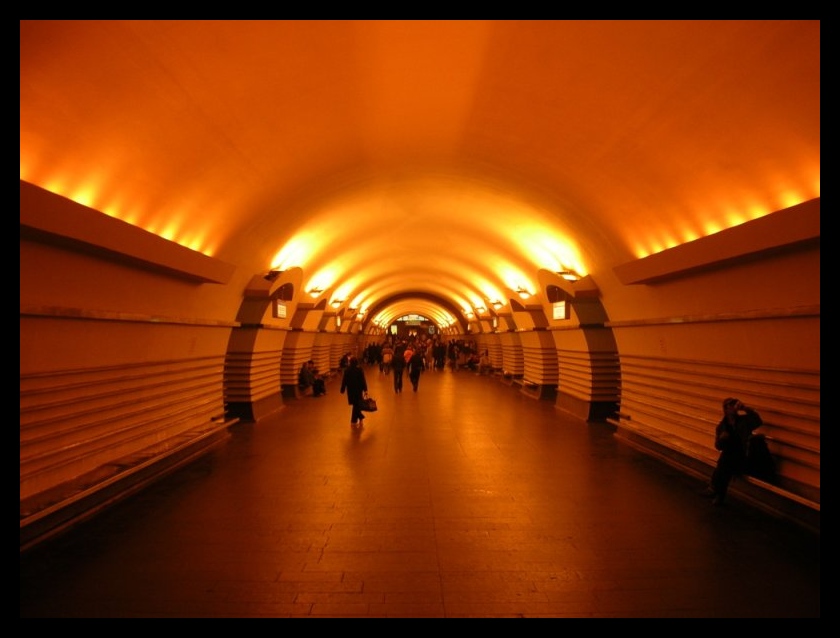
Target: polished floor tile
x: 465, y: 499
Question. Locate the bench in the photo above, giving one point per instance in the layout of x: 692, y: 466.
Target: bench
x: 699, y: 461
x: 50, y: 513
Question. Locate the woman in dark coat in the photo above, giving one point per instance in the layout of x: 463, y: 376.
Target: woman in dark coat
x: 355, y: 384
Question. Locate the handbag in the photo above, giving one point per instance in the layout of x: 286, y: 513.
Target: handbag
x: 759, y: 462
x: 368, y: 404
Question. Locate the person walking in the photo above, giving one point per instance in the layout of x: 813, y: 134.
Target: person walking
x: 354, y: 383
x: 387, y: 358
x: 415, y: 368
x: 408, y: 352
x: 398, y: 366
x: 452, y: 352
x: 732, y: 436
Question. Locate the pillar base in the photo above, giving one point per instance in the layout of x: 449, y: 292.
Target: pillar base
x: 255, y: 410
x: 586, y: 410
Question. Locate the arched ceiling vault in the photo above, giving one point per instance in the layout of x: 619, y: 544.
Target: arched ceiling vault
x: 452, y: 159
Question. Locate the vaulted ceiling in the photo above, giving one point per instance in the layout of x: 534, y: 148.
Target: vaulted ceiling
x: 424, y: 165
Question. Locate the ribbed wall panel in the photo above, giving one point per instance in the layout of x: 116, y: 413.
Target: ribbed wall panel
x: 321, y: 353
x: 540, y: 365
x: 337, y: 349
x: 513, y: 360
x: 491, y: 343
x: 589, y: 376
x: 297, y: 350
x: 251, y: 377
x: 74, y: 421
x: 679, y: 400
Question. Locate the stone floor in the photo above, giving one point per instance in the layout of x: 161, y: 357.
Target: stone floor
x: 465, y: 499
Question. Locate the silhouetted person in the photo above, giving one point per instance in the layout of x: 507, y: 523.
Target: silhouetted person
x: 344, y: 361
x: 416, y: 364
x: 319, y: 386
x: 398, y: 366
x: 440, y: 355
x: 732, y: 436
x: 354, y: 382
x: 452, y: 352
x: 484, y: 365
x: 306, y: 375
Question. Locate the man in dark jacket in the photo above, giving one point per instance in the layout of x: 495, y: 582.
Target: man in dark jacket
x: 354, y: 383
x: 416, y: 364
x: 398, y: 366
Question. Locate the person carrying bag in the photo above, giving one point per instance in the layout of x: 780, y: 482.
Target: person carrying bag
x: 354, y: 383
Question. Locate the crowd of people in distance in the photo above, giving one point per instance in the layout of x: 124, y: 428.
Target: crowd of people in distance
x: 437, y: 354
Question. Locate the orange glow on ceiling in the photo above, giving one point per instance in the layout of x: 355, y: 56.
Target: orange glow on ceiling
x: 385, y: 156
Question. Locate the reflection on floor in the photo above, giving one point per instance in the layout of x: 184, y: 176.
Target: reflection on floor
x: 464, y: 499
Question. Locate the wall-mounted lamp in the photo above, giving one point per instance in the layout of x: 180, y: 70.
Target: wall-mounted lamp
x: 271, y: 275
x: 480, y: 309
x: 569, y: 275
x: 335, y: 303
x: 524, y: 294
x: 314, y: 292
x: 497, y: 304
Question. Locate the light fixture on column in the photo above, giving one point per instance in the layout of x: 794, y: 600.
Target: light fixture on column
x: 335, y: 303
x: 568, y: 275
x: 497, y: 304
x: 314, y: 292
x: 271, y: 275
x: 522, y: 292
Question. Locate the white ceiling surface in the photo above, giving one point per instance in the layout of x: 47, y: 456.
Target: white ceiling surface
x: 450, y: 158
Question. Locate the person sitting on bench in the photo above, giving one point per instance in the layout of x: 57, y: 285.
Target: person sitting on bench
x: 306, y: 376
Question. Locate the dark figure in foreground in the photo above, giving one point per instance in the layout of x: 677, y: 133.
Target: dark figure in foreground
x: 354, y: 382
x: 732, y: 437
